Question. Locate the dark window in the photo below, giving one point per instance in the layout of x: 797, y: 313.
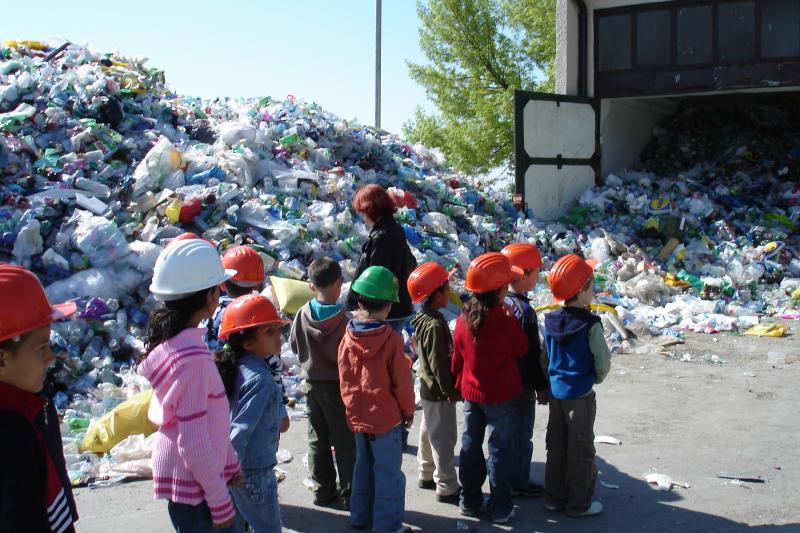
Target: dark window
x: 615, y: 42
x: 694, y: 35
x: 780, y: 20
x: 737, y: 31
x: 653, y: 34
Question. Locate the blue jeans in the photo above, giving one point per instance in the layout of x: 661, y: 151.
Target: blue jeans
x: 379, y: 485
x: 197, y: 519
x: 522, y: 443
x: 473, y: 466
x: 257, y: 500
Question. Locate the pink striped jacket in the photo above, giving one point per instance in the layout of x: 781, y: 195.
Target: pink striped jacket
x: 192, y: 457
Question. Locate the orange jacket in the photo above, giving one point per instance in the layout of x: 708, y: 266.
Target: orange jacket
x: 374, y: 377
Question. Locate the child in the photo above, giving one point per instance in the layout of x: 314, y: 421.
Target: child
x: 378, y: 395
x: 579, y: 358
x: 486, y: 344
x: 526, y: 257
x: 35, y: 493
x: 317, y: 330
x: 193, y: 459
x: 251, y: 330
x: 434, y: 345
x: 249, y: 279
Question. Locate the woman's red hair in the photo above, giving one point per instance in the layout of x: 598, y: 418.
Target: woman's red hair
x: 374, y: 201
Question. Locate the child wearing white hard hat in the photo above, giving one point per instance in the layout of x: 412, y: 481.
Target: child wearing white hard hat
x: 193, y: 460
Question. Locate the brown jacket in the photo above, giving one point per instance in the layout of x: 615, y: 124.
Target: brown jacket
x: 375, y: 377
x: 316, y: 343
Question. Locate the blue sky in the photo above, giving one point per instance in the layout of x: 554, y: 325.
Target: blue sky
x: 318, y: 50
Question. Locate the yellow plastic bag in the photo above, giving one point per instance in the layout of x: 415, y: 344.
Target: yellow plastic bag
x: 455, y: 299
x: 767, y: 330
x: 33, y: 45
x: 595, y: 307
x: 126, y: 419
x: 292, y: 294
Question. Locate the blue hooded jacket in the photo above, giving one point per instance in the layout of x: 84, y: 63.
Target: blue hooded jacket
x: 571, y: 369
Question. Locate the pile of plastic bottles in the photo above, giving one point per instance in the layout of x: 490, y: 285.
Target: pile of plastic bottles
x: 101, y: 165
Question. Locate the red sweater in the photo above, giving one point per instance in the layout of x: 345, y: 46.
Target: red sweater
x: 485, y: 365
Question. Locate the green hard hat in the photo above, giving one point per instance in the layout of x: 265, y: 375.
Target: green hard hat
x: 377, y: 283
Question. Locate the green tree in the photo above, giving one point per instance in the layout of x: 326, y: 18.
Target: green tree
x: 478, y: 52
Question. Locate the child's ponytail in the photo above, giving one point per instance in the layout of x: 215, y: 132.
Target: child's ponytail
x: 477, y: 307
x: 168, y: 321
x: 227, y: 358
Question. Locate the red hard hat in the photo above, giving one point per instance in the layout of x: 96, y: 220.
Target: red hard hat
x: 425, y: 279
x: 523, y: 255
x: 186, y: 237
x: 248, y: 312
x: 25, y: 304
x: 568, y: 276
x: 246, y: 262
x: 489, y: 272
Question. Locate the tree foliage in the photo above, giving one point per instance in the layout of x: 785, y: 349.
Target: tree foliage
x: 478, y: 52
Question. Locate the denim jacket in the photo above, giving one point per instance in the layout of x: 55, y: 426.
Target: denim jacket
x: 256, y: 412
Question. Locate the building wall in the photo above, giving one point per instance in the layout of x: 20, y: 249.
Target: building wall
x: 626, y: 126
x: 566, y: 47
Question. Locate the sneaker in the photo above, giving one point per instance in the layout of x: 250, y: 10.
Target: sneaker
x: 553, y: 507
x: 504, y: 518
x: 594, y: 509
x: 449, y: 498
x: 324, y: 501
x: 427, y: 484
x: 533, y: 490
x: 473, y: 513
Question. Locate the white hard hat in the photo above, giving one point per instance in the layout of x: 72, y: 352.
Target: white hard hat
x: 187, y: 267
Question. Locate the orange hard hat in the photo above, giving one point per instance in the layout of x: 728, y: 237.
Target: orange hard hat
x: 568, y: 276
x: 489, y: 272
x: 247, y: 263
x: 25, y: 304
x: 425, y: 279
x: 247, y: 312
x: 523, y: 255
x: 186, y: 237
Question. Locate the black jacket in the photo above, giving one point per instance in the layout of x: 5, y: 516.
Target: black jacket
x: 387, y: 247
x: 24, y: 468
x: 49, y: 426
x: 530, y: 367
x: 22, y: 477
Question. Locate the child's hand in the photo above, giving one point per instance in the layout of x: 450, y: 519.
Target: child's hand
x: 223, y: 525
x: 236, y: 481
x: 285, y: 423
x: 542, y: 396
x: 408, y: 421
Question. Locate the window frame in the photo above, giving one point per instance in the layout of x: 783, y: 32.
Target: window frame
x: 673, y: 7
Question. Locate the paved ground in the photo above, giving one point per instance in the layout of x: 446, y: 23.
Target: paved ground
x: 691, y: 420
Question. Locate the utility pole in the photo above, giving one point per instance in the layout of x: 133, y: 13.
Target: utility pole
x: 377, y: 63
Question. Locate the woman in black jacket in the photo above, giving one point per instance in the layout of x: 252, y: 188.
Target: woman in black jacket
x: 386, y: 247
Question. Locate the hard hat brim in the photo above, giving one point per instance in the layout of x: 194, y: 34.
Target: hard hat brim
x: 65, y: 310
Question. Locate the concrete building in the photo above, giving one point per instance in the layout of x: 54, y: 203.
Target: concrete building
x: 623, y: 66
